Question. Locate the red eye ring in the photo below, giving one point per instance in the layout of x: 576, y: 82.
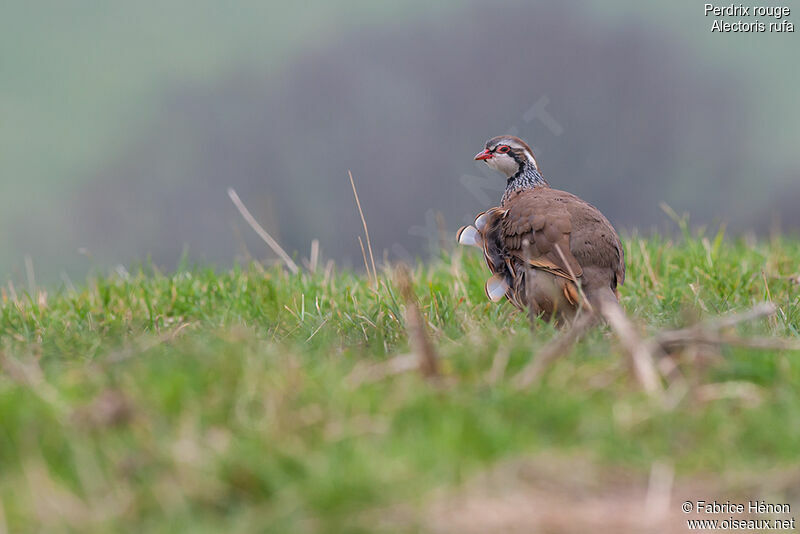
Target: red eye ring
x: 503, y: 149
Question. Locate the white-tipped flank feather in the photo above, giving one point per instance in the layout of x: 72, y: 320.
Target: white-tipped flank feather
x: 496, y: 288
x: 480, y: 221
x: 469, y: 235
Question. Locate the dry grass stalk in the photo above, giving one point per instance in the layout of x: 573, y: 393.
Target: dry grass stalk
x: 364, y: 255
x: 314, y: 333
x: 709, y: 331
x: 415, y: 326
x: 584, y: 301
x: 763, y: 309
x: 366, y: 230
x: 640, y: 351
x: 263, y: 234
x: 713, y: 338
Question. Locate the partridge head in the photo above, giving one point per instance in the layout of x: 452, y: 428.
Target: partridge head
x: 512, y: 157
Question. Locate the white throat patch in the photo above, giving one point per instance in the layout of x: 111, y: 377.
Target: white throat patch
x: 503, y: 163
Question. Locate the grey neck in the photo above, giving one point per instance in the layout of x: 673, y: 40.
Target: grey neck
x: 527, y: 177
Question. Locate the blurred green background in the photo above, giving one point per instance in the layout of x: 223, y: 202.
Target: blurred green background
x: 122, y: 124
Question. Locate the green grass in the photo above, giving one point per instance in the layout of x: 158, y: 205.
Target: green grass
x: 207, y: 402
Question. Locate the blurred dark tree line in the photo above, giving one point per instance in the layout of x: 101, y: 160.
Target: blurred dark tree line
x: 632, y: 120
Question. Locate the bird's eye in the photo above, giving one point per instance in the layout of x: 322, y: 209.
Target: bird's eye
x: 503, y: 149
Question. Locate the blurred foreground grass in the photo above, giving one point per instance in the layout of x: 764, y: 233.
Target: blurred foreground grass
x: 204, y: 401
